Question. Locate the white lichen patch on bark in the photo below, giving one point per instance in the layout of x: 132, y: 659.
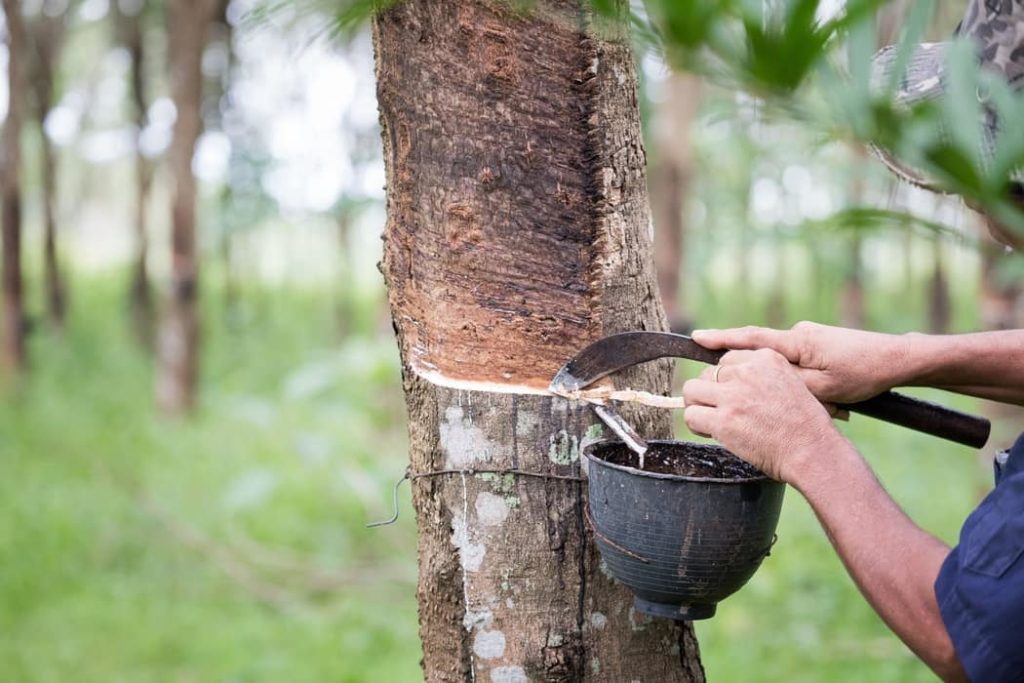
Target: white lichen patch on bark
x: 594, y: 433
x: 598, y: 620
x: 508, y: 674
x: 489, y: 644
x: 491, y: 510
x: 477, y: 619
x: 464, y: 443
x: 471, y: 554
x: 564, y: 449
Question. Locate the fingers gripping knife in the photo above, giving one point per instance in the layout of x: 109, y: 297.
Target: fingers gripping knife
x: 618, y: 351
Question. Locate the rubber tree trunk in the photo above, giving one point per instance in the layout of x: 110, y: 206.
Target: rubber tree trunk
x: 517, y: 231
x: 1002, y: 298
x: 12, y: 345
x: 852, y: 313
x: 218, y: 87
x: 671, y: 177
x: 345, y: 296
x: 140, y: 292
x: 178, y: 343
x: 56, y: 292
x: 940, y: 305
x: 1002, y: 308
x: 46, y: 36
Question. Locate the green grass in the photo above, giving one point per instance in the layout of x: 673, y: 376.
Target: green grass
x: 232, y: 547
x: 296, y: 444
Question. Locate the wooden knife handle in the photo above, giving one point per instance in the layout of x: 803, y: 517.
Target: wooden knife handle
x: 924, y: 416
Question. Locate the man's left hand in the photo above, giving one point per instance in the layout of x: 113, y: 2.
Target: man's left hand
x: 760, y: 409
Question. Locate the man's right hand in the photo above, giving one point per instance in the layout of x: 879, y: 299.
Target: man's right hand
x: 838, y: 365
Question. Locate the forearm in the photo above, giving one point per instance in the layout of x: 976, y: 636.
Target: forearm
x: 893, y: 561
x: 985, y: 364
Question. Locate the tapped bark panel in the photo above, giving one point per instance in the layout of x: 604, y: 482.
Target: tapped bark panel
x: 492, y: 232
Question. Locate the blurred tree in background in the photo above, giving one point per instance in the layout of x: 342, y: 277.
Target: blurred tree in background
x: 13, y: 351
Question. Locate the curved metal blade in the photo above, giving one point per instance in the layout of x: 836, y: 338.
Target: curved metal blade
x: 618, y: 351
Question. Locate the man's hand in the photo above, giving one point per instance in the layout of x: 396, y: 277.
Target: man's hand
x: 760, y: 410
x: 838, y: 365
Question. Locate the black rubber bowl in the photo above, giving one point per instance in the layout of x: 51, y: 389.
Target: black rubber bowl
x: 687, y: 531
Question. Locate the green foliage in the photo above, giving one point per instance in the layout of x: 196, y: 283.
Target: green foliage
x: 794, y: 61
x: 338, y: 20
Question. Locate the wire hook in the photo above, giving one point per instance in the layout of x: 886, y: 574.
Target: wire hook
x: 394, y: 504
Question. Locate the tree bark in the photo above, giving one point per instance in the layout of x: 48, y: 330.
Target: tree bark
x: 940, y: 306
x: 218, y: 91
x: 852, y: 313
x: 140, y: 293
x: 1002, y: 308
x: 47, y: 36
x: 1002, y: 300
x: 518, y: 230
x: 12, y: 345
x: 671, y: 177
x: 178, y: 344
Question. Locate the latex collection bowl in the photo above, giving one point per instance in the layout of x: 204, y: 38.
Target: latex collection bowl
x: 688, y: 530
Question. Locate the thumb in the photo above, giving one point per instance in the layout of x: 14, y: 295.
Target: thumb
x: 749, y: 337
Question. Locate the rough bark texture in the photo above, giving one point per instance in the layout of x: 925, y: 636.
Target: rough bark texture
x: 46, y: 37
x: 671, y: 177
x: 12, y: 345
x: 178, y: 345
x: 518, y: 230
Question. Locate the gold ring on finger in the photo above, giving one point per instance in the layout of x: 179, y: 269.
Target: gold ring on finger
x: 718, y: 369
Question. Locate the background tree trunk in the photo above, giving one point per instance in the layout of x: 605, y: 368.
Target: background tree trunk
x: 671, y: 177
x: 1002, y: 308
x: 47, y: 36
x: 517, y: 231
x: 218, y: 92
x: 178, y: 348
x: 12, y: 346
x: 851, y: 299
x: 140, y: 293
x: 940, y: 306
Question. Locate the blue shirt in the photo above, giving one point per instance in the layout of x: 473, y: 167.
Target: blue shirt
x: 980, y: 588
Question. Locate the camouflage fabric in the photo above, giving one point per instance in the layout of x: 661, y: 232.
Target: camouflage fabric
x: 997, y: 28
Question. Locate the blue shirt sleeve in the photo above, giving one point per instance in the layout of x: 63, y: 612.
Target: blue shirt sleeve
x: 980, y: 587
